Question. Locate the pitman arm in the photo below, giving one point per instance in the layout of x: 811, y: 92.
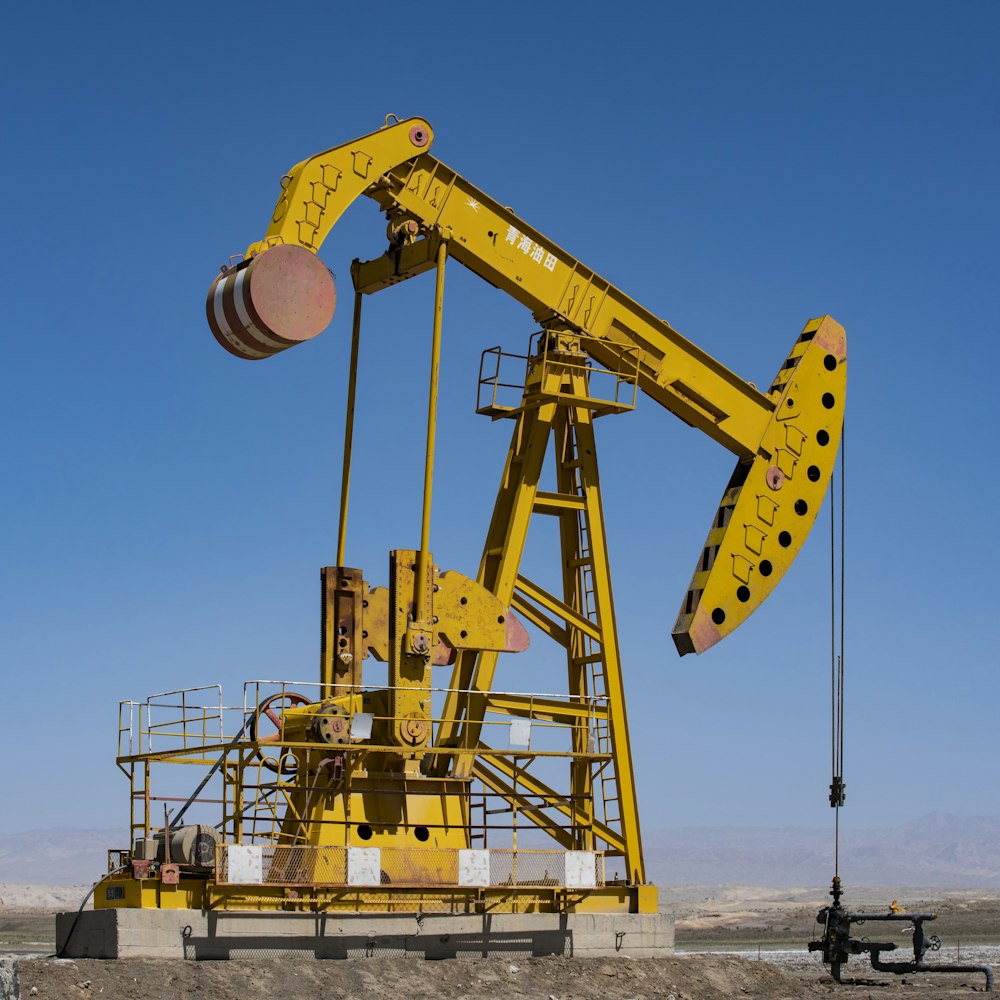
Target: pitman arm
x: 786, y: 440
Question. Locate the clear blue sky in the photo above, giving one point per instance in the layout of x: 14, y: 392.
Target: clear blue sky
x: 737, y: 168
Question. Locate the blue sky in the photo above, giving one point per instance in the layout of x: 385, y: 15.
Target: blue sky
x: 737, y: 168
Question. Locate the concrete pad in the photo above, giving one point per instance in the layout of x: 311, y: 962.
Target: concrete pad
x: 194, y: 935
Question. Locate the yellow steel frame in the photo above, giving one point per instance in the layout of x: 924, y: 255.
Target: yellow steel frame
x: 554, y: 410
x: 418, y: 769
x: 776, y: 429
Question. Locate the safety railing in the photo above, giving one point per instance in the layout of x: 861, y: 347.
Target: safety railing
x: 182, y: 718
x: 250, y: 756
x: 607, y: 390
x: 515, y: 721
x: 370, y: 867
x: 178, y: 720
x: 495, y: 395
x: 188, y: 718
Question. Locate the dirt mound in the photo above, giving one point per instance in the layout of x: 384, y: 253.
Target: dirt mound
x: 683, y: 978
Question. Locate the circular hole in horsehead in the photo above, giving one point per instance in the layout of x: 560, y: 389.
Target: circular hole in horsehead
x: 801, y: 507
x: 813, y: 473
x: 784, y: 539
x: 765, y: 568
x: 422, y: 834
x: 743, y: 594
x: 828, y: 400
x: 365, y: 832
x: 718, y: 616
x: 830, y: 363
x: 822, y: 438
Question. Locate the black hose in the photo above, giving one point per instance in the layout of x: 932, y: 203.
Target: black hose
x: 62, y: 951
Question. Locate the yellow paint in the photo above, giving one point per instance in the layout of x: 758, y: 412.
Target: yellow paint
x: 413, y: 774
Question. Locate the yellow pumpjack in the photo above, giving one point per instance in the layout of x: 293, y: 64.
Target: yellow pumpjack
x: 463, y: 797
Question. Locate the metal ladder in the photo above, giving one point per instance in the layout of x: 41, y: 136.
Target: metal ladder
x: 593, y: 656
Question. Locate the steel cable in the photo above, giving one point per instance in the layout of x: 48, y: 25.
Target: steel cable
x: 837, y: 650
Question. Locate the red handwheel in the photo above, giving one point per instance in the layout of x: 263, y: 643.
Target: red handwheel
x: 272, y: 708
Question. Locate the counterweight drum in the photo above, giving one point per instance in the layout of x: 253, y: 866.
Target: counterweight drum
x: 277, y: 299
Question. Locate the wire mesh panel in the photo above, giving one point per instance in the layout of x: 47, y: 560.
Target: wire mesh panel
x: 535, y: 868
x: 119, y: 858
x: 281, y: 865
x: 426, y: 866
x: 278, y: 864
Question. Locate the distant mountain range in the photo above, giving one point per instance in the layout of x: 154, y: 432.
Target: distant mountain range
x: 58, y: 856
x: 935, y: 850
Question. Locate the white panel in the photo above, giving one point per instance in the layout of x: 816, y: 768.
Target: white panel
x: 520, y: 733
x: 473, y: 867
x: 361, y: 726
x: 364, y: 866
x: 245, y: 863
x: 581, y: 870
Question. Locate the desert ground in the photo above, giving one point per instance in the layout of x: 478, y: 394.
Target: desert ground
x: 732, y: 941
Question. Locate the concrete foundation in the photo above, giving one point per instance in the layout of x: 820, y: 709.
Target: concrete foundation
x: 194, y: 935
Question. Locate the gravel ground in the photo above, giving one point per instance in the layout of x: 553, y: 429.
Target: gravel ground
x: 808, y: 966
x: 683, y: 978
x: 781, y: 976
x: 731, y: 944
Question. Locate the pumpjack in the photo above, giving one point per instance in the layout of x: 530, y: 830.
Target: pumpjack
x: 461, y: 796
